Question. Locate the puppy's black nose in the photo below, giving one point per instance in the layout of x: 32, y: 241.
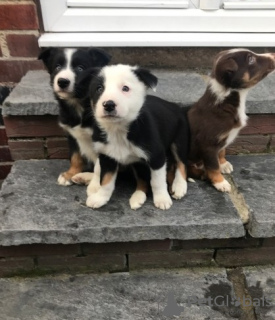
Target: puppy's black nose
x: 63, y: 83
x: 109, y: 105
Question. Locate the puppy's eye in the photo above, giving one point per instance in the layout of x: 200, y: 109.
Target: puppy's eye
x: 58, y: 67
x: 80, y: 68
x: 251, y: 60
x: 99, y: 88
x: 125, y: 88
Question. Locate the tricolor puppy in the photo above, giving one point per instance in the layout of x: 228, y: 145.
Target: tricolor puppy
x: 75, y: 116
x: 132, y: 127
x: 216, y: 119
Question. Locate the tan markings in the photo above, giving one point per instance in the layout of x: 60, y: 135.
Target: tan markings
x: 246, y: 77
x: 141, y: 185
x: 76, y: 166
x: 108, y: 177
x: 182, y: 169
x: 215, y: 176
x: 222, y: 156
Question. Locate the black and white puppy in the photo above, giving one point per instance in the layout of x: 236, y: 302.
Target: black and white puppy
x: 65, y: 65
x: 131, y: 127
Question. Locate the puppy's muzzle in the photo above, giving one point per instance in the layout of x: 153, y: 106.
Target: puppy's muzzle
x: 109, y: 108
x: 63, y: 83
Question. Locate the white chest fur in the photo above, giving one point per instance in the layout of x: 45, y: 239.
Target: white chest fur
x: 120, y: 148
x: 83, y: 136
x: 242, y: 118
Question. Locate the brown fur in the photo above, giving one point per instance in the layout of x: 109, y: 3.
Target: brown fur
x: 212, y: 118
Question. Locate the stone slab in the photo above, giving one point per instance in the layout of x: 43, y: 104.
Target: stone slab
x: 34, y: 209
x: 136, y: 296
x: 255, y: 179
x: 260, y: 282
x: 34, y: 96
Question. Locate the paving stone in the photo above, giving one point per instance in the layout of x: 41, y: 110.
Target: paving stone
x: 34, y: 209
x: 255, y: 179
x: 136, y: 296
x: 260, y: 283
x: 34, y: 96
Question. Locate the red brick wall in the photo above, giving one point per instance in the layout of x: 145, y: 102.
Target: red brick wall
x: 19, y: 31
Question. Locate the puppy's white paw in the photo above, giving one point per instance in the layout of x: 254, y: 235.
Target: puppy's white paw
x: 226, y: 167
x: 179, y: 188
x: 162, y: 200
x: 82, y: 178
x: 137, y: 199
x: 96, y: 200
x: 93, y: 187
x: 223, y: 186
x: 63, y: 181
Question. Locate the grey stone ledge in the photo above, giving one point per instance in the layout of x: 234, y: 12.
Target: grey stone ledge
x: 34, y: 209
x: 255, y: 179
x: 121, y: 296
x: 34, y: 96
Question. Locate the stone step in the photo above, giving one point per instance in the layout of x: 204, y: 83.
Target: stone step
x: 34, y: 96
x: 34, y: 209
x: 190, y: 294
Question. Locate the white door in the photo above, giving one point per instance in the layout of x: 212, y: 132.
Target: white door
x: 158, y: 23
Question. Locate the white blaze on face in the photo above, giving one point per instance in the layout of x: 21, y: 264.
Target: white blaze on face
x: 65, y: 73
x: 122, y: 86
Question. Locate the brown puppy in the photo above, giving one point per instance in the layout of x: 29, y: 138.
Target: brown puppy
x: 216, y: 119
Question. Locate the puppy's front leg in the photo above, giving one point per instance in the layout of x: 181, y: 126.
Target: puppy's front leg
x: 213, y: 172
x: 226, y: 166
x: 161, y: 197
x: 108, y: 174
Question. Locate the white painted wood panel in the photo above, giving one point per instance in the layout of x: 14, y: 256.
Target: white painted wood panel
x: 249, y: 5
x: 129, y: 3
x: 157, y: 39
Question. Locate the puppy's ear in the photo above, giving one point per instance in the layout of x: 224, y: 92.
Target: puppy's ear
x: 83, y: 82
x: 100, y: 57
x: 225, y: 72
x: 146, y: 77
x: 45, y: 56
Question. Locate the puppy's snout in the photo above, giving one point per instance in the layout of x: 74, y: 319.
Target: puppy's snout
x: 109, y: 105
x: 63, y: 83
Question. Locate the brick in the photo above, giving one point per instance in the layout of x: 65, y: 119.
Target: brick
x: 14, y: 70
x: 127, y: 247
x: 171, y: 259
x: 215, y: 243
x: 260, y: 124
x: 249, y: 144
x: 57, y: 148
x: 3, y: 136
x: 33, y: 250
x: 5, y: 168
x: 9, y: 266
x: 269, y: 242
x: 96, y: 262
x: 27, y: 149
x: 32, y: 126
x: 22, y: 45
x: 245, y: 257
x: 272, y: 143
x: 18, y: 17
x: 5, y: 154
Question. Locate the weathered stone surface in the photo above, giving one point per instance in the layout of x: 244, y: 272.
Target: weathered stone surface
x: 34, y: 96
x: 260, y: 283
x: 140, y: 295
x: 255, y: 179
x: 34, y: 209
